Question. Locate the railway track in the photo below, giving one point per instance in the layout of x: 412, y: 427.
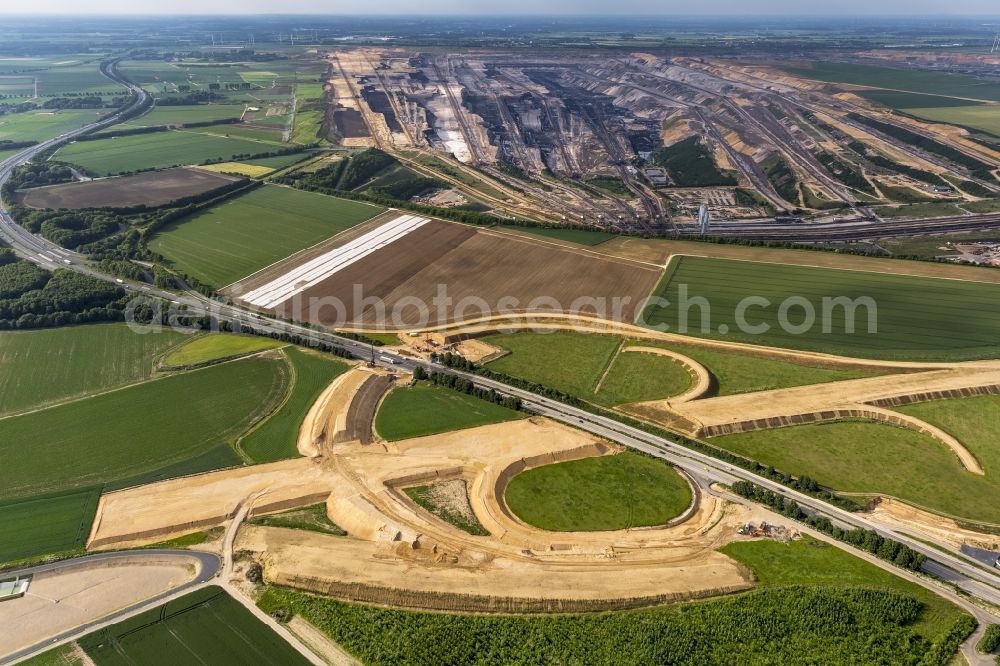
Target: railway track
x: 841, y: 105
x: 743, y: 162
x: 853, y: 230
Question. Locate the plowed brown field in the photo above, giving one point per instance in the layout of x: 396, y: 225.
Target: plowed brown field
x: 479, y: 268
x: 153, y: 188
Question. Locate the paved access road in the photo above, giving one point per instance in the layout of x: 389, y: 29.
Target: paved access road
x: 208, y: 567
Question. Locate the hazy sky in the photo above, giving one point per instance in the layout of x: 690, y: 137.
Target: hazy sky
x: 577, y: 7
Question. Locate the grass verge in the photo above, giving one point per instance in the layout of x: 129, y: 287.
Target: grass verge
x: 425, y: 409
x: 276, y: 438
x: 601, y: 493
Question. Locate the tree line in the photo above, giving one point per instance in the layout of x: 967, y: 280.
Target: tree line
x: 868, y: 540
x: 31, y: 297
x: 467, y: 387
x: 802, y: 484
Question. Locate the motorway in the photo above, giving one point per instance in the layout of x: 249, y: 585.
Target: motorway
x: 976, y: 579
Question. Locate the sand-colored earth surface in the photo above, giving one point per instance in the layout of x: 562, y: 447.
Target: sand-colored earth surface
x: 558, y: 321
x: 902, y: 517
x: 320, y: 643
x: 397, y: 552
x: 158, y: 511
x: 697, y: 415
x: 868, y: 396
x: 478, y: 351
x: 327, y: 418
x: 62, y: 600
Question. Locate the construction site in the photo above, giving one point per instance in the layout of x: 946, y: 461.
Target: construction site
x: 640, y: 143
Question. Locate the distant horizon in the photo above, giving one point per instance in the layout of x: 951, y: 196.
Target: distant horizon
x: 713, y: 9
x: 628, y: 15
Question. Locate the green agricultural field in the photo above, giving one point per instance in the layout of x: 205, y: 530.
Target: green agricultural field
x: 65, y: 655
x: 601, y: 493
x: 985, y: 206
x: 275, y: 438
x: 223, y: 244
x: 914, y: 316
x: 190, y: 539
x: 426, y: 409
x: 208, y: 625
x: 85, y: 77
x: 17, y: 87
x: 45, y: 524
x: 982, y: 117
x: 636, y: 377
x: 279, y: 161
x: 907, y: 195
x: 892, y: 78
x: 139, y: 430
x: 164, y: 79
x: 216, y: 346
x: 578, y: 236
x: 577, y: 363
x: 41, y: 125
x: 387, y: 339
x: 312, y: 518
x: 309, y: 112
x: 570, y: 362
x: 816, y: 605
x: 905, y: 100
x: 875, y: 458
x: 818, y: 563
x: 105, y: 157
x: 744, y: 373
x: 44, y: 366
x: 181, y: 115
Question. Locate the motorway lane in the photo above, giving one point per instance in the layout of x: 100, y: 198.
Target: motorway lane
x: 32, y: 247
x: 209, y: 566
x: 985, y: 582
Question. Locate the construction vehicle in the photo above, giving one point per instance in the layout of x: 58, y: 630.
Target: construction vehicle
x: 750, y: 530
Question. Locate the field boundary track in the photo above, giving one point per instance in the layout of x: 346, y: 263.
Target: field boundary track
x: 782, y: 256
x: 681, y: 255
x: 504, y: 323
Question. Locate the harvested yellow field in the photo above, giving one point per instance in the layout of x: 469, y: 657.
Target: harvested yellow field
x: 248, y: 170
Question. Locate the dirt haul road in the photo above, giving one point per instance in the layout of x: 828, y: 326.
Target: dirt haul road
x: 397, y: 552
